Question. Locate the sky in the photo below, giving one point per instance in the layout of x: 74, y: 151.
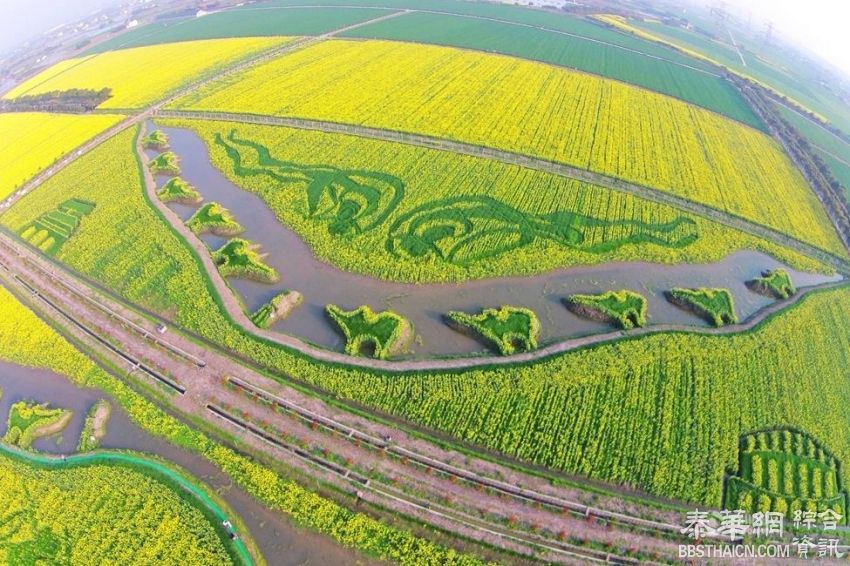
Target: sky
x: 23, y: 19
x: 821, y: 26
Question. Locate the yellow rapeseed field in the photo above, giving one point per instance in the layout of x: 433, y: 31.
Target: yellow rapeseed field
x: 31, y: 141
x: 540, y: 110
x: 142, y: 75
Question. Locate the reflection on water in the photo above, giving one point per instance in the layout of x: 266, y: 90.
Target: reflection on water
x: 279, y: 541
x: 424, y: 305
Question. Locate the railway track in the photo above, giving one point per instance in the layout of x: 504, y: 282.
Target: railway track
x: 384, y: 491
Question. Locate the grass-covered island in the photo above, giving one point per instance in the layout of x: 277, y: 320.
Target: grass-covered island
x: 507, y: 329
x: 775, y: 283
x: 367, y: 333
x: 214, y: 219
x: 166, y: 163
x: 626, y: 309
x: 277, y: 309
x: 240, y: 258
x: 714, y: 305
x: 178, y: 190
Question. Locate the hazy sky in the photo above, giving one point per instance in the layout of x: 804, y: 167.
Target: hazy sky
x: 819, y: 25
x: 22, y: 19
x: 822, y: 25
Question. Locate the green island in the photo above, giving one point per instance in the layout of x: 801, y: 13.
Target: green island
x: 785, y: 470
x: 240, y: 258
x: 278, y: 308
x: 166, y: 163
x: 52, y: 229
x: 157, y: 139
x: 774, y: 283
x: 715, y: 305
x: 178, y: 190
x: 94, y: 427
x: 508, y: 329
x: 28, y: 422
x: 367, y: 333
x: 214, y: 219
x: 627, y: 309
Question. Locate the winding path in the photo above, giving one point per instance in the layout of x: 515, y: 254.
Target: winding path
x: 157, y: 470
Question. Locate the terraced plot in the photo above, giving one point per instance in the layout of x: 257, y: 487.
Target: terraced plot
x: 52, y: 229
x: 143, y: 75
x: 538, y: 110
x: 33, y: 141
x: 424, y: 215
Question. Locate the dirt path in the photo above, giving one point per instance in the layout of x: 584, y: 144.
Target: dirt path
x: 234, y: 310
x: 205, y: 384
x: 560, y: 169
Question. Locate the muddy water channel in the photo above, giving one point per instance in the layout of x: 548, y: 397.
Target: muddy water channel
x: 424, y: 305
x: 280, y: 542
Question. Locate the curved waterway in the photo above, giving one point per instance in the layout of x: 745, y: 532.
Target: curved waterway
x: 280, y: 542
x: 425, y: 304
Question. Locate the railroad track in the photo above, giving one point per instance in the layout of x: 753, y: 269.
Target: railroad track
x: 133, y: 362
x: 361, y: 482
x: 523, y: 494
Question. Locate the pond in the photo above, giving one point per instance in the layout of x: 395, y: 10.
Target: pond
x: 425, y: 304
x: 279, y: 541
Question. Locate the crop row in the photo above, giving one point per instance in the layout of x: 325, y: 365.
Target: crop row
x: 141, y: 76
x: 28, y: 340
x: 406, y: 213
x: 672, y: 406
x: 538, y: 110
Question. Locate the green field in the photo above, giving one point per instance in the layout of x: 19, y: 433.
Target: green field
x: 789, y: 76
x: 52, y: 229
x: 57, y: 512
x: 786, y: 470
x: 662, y: 75
x: 241, y: 258
x: 239, y: 23
x: 672, y: 406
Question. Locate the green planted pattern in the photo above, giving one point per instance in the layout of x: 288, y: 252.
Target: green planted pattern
x: 215, y: 219
x: 28, y: 421
x: 379, y: 335
x: 167, y: 163
x: 715, y: 305
x: 785, y: 470
x: 775, y: 283
x: 507, y: 329
x: 239, y: 258
x: 52, y: 229
x: 178, y: 190
x: 625, y: 308
x: 157, y: 139
x: 349, y: 201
